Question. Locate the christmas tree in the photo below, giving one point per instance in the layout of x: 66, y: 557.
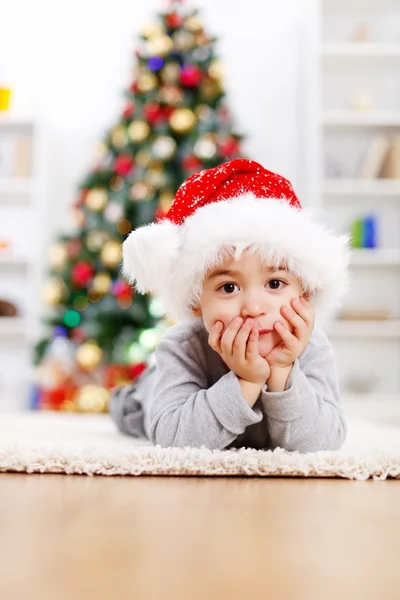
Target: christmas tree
x: 174, y: 122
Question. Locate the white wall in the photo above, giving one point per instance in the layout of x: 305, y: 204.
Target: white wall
x: 70, y: 60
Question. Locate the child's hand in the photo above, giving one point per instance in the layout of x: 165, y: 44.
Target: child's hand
x: 238, y: 347
x: 301, y: 317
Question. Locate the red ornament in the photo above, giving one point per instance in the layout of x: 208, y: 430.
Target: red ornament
x: 229, y: 147
x: 174, y: 20
x: 137, y: 370
x: 128, y: 110
x: 117, y: 375
x: 78, y: 334
x: 122, y: 288
x: 190, y: 76
x: 133, y: 87
x: 82, y: 272
x: 123, y: 165
x: 191, y: 163
x: 80, y: 199
x: 153, y: 113
x: 73, y: 248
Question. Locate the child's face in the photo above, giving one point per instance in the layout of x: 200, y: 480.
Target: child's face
x: 248, y: 288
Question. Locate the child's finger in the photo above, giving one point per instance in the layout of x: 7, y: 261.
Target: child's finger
x: 214, y: 338
x: 287, y: 337
x: 240, y: 341
x: 295, y: 320
x: 305, y: 310
x: 229, y: 336
x: 252, y: 345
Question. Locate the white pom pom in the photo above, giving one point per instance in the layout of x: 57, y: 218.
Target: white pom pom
x: 149, y: 253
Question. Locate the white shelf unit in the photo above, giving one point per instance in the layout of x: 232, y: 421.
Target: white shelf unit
x: 336, y: 70
x: 22, y: 211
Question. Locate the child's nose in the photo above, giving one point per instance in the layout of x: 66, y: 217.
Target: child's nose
x: 253, y: 306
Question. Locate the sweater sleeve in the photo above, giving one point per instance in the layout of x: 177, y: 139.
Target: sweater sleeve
x: 184, y: 411
x: 307, y: 416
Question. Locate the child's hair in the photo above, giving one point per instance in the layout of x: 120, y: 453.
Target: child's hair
x: 219, y: 212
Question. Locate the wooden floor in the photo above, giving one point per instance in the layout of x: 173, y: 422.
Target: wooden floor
x: 198, y: 538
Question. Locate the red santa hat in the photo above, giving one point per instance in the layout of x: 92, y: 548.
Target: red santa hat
x: 232, y: 207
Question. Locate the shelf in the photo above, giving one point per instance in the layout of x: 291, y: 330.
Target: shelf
x: 15, y: 120
x: 16, y: 185
x: 364, y: 257
x: 12, y: 326
x: 373, y: 118
x: 361, y: 187
x: 359, y: 49
x: 8, y: 259
x: 365, y: 329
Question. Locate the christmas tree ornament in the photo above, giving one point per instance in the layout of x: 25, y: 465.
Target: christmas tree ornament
x: 142, y: 158
x: 94, y: 296
x: 228, y: 147
x: 128, y: 111
x: 96, y: 239
x: 89, y: 356
x: 100, y: 150
x: 174, y: 20
x: 116, y: 183
x: 124, y: 302
x: 182, y: 120
x: 152, y: 30
x: 171, y: 94
x: 78, y: 218
x: 96, y: 199
x: 140, y: 191
x: 170, y: 73
x: 81, y: 273
x: 201, y: 54
x: 156, y: 178
x: 160, y: 45
x: 138, y: 131
x: 210, y: 89
x: 190, y: 76
x: 191, y: 163
x: 147, y: 83
x: 114, y: 212
x: 80, y: 302
x: 216, y: 69
x: 205, y: 148
x: 155, y: 63
x: 111, y: 254
x: 118, y: 136
x: 165, y: 199
x: 53, y: 291
x: 102, y: 283
x: 164, y: 147
x: 193, y: 24
x: 58, y: 256
x: 92, y: 398
x: 123, y: 226
x: 152, y: 113
x: 183, y: 40
x: 74, y: 247
x: 123, y: 164
x: 121, y: 288
x: 204, y: 113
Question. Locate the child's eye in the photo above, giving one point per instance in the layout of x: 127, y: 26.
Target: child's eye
x: 229, y: 288
x: 275, y: 284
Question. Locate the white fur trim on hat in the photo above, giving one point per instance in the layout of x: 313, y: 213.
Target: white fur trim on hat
x: 172, y: 260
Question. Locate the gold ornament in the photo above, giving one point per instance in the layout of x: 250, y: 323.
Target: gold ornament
x: 94, y: 296
x: 164, y: 147
x: 210, y: 89
x: 147, y: 83
x: 89, y: 356
x: 140, y: 191
x: 96, y: 239
x: 102, y: 283
x: 123, y: 226
x: 58, y: 256
x: 138, y: 131
x: 78, y: 217
x: 156, y: 178
x: 142, y: 158
x: 182, y: 120
x: 193, y: 24
x: 160, y: 45
x: 53, y: 291
x: 151, y: 30
x: 183, y: 40
x: 118, y: 136
x: 80, y: 302
x: 100, y: 150
x: 205, y: 148
x: 170, y: 73
x: 204, y: 112
x: 92, y: 398
x: 111, y: 254
x: 171, y: 94
x: 216, y: 69
x: 96, y: 199
x: 165, y: 200
x: 116, y: 183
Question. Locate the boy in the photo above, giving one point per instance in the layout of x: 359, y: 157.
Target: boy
x: 243, y: 266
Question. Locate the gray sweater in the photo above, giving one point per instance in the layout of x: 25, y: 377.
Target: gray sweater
x: 189, y: 397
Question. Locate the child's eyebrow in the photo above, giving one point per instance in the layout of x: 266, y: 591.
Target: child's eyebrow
x: 224, y: 272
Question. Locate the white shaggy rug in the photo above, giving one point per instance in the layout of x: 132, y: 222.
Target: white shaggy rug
x: 90, y: 445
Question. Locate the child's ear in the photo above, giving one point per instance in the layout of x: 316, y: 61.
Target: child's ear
x: 196, y: 311
x: 306, y: 295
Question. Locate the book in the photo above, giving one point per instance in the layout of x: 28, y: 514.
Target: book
x: 375, y: 156
x: 391, y: 165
